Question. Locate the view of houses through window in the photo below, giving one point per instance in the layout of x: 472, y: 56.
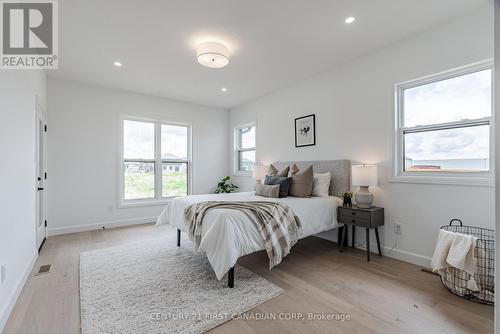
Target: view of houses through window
x: 150, y: 172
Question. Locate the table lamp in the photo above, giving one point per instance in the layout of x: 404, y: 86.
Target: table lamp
x: 259, y: 172
x: 364, y: 176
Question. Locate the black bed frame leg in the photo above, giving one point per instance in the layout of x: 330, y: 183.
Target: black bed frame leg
x: 230, y: 278
x: 178, y: 238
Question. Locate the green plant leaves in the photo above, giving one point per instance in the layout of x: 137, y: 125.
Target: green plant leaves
x: 225, y: 186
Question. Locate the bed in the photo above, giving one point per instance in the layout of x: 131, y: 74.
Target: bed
x: 228, y: 235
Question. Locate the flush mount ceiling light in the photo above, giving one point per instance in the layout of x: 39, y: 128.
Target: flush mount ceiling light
x: 350, y: 19
x: 223, y: 89
x: 213, y: 54
x: 117, y: 64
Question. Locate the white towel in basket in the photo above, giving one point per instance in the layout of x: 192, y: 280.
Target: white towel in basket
x: 456, y: 250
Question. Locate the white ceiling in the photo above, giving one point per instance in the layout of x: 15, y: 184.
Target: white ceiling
x: 273, y: 43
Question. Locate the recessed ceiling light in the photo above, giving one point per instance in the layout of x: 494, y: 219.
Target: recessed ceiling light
x: 224, y: 89
x: 350, y: 19
x: 213, y: 54
x: 117, y: 64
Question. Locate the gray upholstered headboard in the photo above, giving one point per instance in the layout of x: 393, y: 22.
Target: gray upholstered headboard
x: 339, y: 169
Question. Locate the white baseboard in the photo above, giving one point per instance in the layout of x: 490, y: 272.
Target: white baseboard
x: 98, y: 226
x: 11, y: 302
x: 399, y: 254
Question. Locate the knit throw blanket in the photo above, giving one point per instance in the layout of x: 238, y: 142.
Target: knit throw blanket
x: 276, y: 223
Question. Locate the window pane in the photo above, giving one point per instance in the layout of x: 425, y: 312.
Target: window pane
x: 138, y: 140
x: 139, y: 180
x: 174, y: 142
x: 174, y: 178
x: 247, y: 137
x: 464, y: 97
x: 246, y: 160
x: 463, y: 150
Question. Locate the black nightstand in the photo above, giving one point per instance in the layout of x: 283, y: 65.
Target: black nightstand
x: 366, y: 218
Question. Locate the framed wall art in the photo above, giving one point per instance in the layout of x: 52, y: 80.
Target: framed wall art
x: 305, y: 131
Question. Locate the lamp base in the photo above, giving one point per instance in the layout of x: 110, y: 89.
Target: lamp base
x: 364, y: 198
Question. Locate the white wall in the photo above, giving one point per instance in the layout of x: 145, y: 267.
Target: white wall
x: 83, y: 150
x: 18, y: 96
x: 354, y: 107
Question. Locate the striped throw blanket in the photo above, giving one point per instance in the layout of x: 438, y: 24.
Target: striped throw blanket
x: 276, y: 222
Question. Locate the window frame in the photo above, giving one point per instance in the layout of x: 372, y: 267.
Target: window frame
x: 479, y: 178
x: 238, y: 150
x: 158, y: 198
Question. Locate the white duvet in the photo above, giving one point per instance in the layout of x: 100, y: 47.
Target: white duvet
x: 228, y: 234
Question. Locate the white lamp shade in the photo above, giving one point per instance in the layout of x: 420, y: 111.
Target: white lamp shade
x: 213, y: 54
x: 260, y: 171
x: 364, y: 175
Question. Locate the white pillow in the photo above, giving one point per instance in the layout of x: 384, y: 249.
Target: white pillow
x: 321, y: 184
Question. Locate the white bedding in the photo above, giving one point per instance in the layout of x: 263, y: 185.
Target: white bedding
x: 228, y: 234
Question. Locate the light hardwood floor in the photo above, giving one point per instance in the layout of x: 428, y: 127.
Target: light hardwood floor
x: 383, y: 296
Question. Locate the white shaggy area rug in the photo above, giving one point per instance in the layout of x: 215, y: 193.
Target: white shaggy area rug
x: 157, y: 287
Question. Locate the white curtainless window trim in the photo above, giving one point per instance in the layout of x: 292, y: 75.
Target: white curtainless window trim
x: 401, y: 173
x: 240, y: 150
x: 159, y: 162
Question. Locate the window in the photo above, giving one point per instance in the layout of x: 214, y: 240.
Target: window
x: 155, y: 160
x: 445, y: 124
x: 245, y: 149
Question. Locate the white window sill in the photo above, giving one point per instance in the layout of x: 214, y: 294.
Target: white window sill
x: 244, y: 174
x: 145, y: 203
x: 445, y: 180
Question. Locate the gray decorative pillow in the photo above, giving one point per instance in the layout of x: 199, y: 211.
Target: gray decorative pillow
x: 283, y: 182
x: 302, y: 182
x: 267, y: 190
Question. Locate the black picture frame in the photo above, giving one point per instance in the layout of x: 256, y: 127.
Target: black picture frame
x: 313, y: 124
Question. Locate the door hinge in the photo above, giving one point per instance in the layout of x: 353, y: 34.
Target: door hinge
x: 45, y: 176
x: 45, y: 223
x: 45, y: 128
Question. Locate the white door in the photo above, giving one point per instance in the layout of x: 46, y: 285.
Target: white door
x: 41, y: 169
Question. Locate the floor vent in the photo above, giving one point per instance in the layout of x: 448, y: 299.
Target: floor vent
x: 45, y: 269
x: 428, y: 271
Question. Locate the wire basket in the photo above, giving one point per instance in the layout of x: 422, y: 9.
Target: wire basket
x: 456, y: 280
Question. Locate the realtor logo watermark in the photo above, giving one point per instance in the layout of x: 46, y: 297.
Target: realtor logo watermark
x: 29, y: 34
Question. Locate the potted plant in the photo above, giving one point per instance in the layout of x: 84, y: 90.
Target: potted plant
x: 347, y: 197
x: 225, y: 186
